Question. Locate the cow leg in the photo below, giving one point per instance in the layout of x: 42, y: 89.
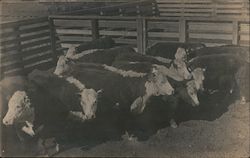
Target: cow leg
x: 139, y: 104
x: 41, y: 148
x: 243, y: 100
x: 172, y: 103
x: 173, y: 124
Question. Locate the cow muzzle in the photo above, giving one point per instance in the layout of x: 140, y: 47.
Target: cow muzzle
x: 8, y: 122
x: 89, y: 117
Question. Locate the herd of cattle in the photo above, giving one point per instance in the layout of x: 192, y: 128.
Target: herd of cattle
x: 94, y: 82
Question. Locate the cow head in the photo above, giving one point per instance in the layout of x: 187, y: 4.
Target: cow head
x: 71, y: 52
x: 181, y: 54
x: 192, y: 92
x: 181, y: 69
x: 159, y: 83
x: 89, y: 98
x: 198, y: 76
x: 63, y: 65
x: 19, y: 109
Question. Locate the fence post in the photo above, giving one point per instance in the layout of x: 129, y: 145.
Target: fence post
x: 95, y: 29
x: 182, y: 30
x: 19, y: 48
x: 141, y: 35
x: 53, y: 39
x: 235, y: 40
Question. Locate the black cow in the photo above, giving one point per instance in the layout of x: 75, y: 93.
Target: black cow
x: 220, y: 71
x: 101, y: 43
x: 238, y: 51
x: 168, y: 50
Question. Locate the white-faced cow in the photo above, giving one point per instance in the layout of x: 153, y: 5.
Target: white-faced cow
x: 153, y: 83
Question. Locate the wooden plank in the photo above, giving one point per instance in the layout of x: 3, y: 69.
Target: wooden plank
x: 53, y: 39
x: 182, y: 30
x: 38, y: 58
x: 94, y: 29
x: 13, y: 33
x: 73, y: 31
x: 140, y: 35
x: 13, y: 65
x: 36, y: 43
x: 211, y: 36
x: 72, y: 23
x: 145, y: 35
x: 26, y: 38
x: 245, y: 37
x: 235, y: 32
x: 41, y: 66
x: 119, y: 24
x: 118, y: 33
x: 163, y: 34
x: 23, y: 22
x: 36, y: 50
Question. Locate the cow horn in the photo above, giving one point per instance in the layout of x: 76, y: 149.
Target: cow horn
x: 99, y: 91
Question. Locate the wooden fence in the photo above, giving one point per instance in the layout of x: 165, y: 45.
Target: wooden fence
x: 142, y: 32
x: 140, y: 8
x: 24, y: 46
x: 204, y: 8
x: 29, y: 44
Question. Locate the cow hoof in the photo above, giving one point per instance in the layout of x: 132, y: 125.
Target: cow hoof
x: 243, y: 100
x: 173, y: 123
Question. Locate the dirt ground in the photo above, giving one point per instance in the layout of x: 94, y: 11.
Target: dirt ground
x: 227, y: 136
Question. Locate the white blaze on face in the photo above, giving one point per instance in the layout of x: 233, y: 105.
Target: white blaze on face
x: 18, y: 109
x: 162, y: 84
x: 62, y: 66
x: 76, y: 82
x: 158, y: 85
x: 192, y: 92
x: 181, y: 54
x: 182, y: 69
x: 88, y: 99
x: 124, y: 73
x: 28, y: 129
x: 89, y: 102
x: 71, y: 52
x: 198, y: 76
x: 163, y: 60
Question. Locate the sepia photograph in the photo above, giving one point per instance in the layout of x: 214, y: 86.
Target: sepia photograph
x: 125, y: 78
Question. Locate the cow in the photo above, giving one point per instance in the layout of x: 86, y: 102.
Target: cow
x: 168, y: 50
x: 153, y: 83
x: 70, y: 91
x: 30, y: 110
x: 220, y: 71
x: 101, y: 43
x: 106, y: 56
x: 237, y: 51
x: 187, y: 92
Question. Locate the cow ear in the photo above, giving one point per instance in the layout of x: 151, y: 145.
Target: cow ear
x: 79, y: 94
x: 151, y: 76
x: 27, y: 101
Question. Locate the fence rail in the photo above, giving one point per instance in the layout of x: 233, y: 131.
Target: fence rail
x: 24, y: 46
x: 145, y: 31
x: 204, y: 8
x: 29, y: 44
